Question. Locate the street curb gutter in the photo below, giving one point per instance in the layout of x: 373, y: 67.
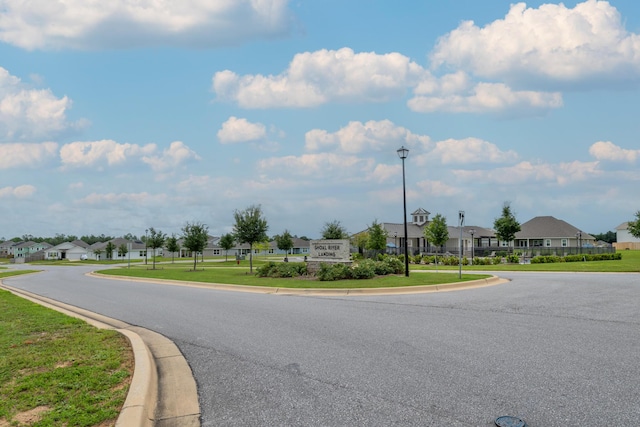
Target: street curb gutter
x: 162, y: 392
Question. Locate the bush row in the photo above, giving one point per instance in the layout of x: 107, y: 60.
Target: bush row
x: 282, y: 269
x: 362, y: 269
x: 547, y: 259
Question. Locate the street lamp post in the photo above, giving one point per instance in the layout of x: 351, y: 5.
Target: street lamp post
x: 472, y: 232
x: 461, y: 223
x: 146, y: 230
x: 395, y: 241
x: 403, y: 153
x: 579, y: 241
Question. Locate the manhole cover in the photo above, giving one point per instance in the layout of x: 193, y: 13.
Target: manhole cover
x: 510, y: 422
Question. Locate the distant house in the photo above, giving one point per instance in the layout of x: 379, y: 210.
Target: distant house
x: 624, y: 239
x: 6, y: 248
x: 135, y: 250
x: 472, y: 236
x: 24, y: 249
x: 72, y: 251
x: 549, y: 232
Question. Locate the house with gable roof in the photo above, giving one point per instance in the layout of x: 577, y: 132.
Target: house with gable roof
x: 550, y: 232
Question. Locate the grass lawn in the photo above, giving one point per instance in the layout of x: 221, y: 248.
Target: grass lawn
x: 230, y: 273
x: 630, y: 262
x: 59, y: 371
x: 15, y: 272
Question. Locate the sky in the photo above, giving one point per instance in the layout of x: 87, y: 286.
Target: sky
x: 128, y: 114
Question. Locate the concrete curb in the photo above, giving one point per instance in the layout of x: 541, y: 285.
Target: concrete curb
x: 480, y: 283
x: 163, y: 392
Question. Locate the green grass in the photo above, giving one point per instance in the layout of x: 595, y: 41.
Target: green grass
x: 229, y: 273
x: 75, y: 374
x: 630, y: 262
x: 15, y: 273
x: 89, y: 261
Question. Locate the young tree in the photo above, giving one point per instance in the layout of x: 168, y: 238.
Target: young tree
x: 109, y: 250
x: 195, y: 237
x: 285, y: 243
x: 506, y: 226
x: 263, y: 246
x: 227, y: 242
x: 360, y: 241
x: 250, y: 227
x: 172, y: 246
x: 155, y: 240
x: 634, y: 226
x: 437, y: 233
x: 97, y: 253
x: 377, y: 237
x: 123, y: 250
x: 334, y: 231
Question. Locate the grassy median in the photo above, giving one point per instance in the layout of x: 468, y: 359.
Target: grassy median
x: 238, y: 274
x: 56, y: 370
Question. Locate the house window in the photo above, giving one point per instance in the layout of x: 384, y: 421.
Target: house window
x: 270, y: 251
x: 216, y: 251
x: 564, y: 243
x: 547, y: 243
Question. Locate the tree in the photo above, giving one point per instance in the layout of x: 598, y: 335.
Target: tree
x: 227, y: 242
x: 109, y: 250
x: 437, y: 233
x: 130, y: 236
x: 360, y: 241
x: 634, y: 226
x: 172, y: 246
x: 506, y: 226
x: 195, y: 237
x: 334, y: 231
x: 377, y: 237
x: 285, y: 243
x: 155, y: 240
x: 97, y: 253
x: 250, y: 227
x: 609, y: 236
x: 123, y: 250
x: 263, y: 246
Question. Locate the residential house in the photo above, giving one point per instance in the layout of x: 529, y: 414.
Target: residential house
x: 6, y: 248
x: 134, y: 250
x: 552, y: 234
x: 472, y: 236
x: 24, y: 249
x: 624, y: 239
x: 72, y: 251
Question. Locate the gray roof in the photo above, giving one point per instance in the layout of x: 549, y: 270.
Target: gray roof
x: 542, y: 227
x: 414, y: 231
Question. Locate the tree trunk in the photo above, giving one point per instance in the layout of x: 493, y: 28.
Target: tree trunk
x: 195, y: 259
x: 250, y: 258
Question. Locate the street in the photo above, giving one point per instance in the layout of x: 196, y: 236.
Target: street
x: 555, y: 349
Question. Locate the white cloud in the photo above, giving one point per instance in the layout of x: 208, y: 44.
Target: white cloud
x: 323, y: 164
x: 81, y: 24
x: 553, y: 42
x: 20, y: 192
x: 241, y: 130
x: 27, y: 113
x: 358, y: 137
x: 128, y: 200
x: 487, y: 97
x: 470, y: 150
x: 437, y: 189
x: 177, y: 154
x: 96, y: 153
x: 16, y: 155
x: 523, y: 172
x: 606, y: 150
x: 315, y: 78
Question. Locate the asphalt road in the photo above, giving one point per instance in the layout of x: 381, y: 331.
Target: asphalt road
x: 552, y: 349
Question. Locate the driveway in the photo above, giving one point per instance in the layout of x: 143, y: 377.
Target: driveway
x: 553, y: 349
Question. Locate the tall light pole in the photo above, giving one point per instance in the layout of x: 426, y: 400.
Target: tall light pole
x: 403, y: 153
x: 395, y: 241
x: 472, y: 232
x: 461, y: 223
x: 146, y: 230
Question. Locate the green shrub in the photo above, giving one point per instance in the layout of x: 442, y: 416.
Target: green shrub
x: 330, y: 272
x: 513, y: 259
x: 394, y: 265
x: 365, y: 269
x: 496, y: 260
x: 282, y: 269
x: 357, y: 256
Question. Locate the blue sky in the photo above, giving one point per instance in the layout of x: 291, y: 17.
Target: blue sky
x: 149, y: 113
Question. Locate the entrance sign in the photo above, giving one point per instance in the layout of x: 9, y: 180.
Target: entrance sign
x: 330, y: 250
